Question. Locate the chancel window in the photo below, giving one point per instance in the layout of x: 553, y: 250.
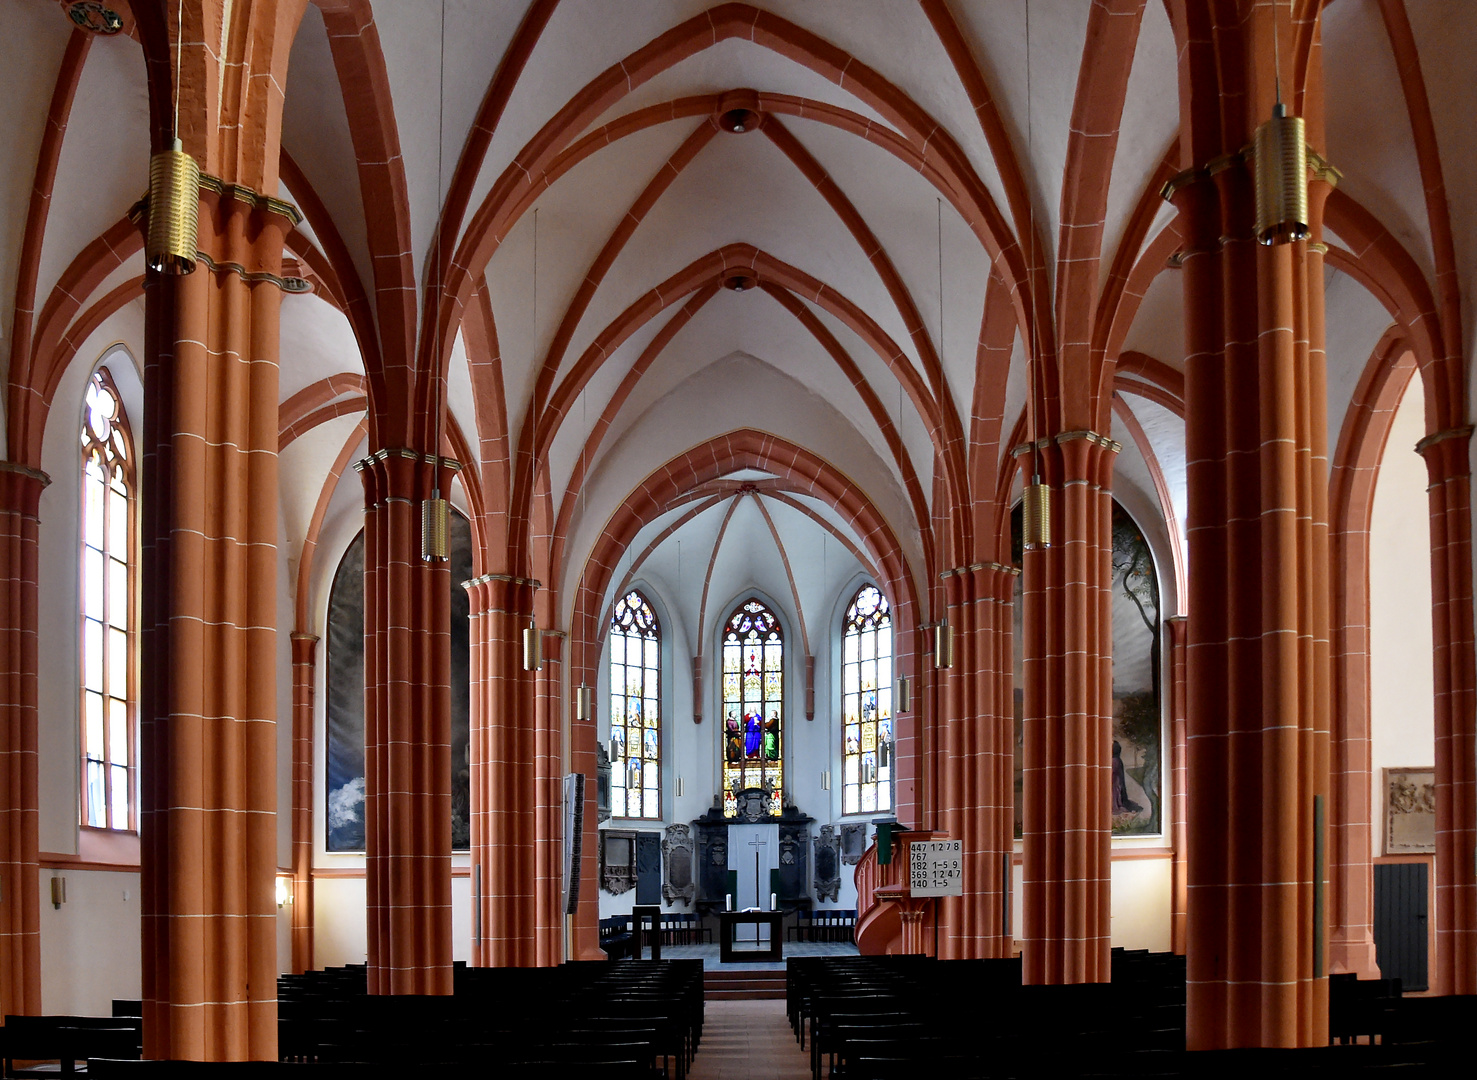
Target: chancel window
x: 109, y: 779
x: 635, y: 709
x: 866, y: 704
x: 753, y: 707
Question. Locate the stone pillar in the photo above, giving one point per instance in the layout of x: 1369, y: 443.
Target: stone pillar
x: 407, y: 730
x: 977, y: 752
x: 208, y: 618
x: 304, y: 684
x: 1068, y: 677
x: 1176, y: 633
x: 1450, y: 493
x: 548, y: 825
x: 504, y: 787
x: 20, y: 918
x: 1258, y: 667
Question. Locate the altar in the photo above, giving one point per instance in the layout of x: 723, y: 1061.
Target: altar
x: 730, y: 921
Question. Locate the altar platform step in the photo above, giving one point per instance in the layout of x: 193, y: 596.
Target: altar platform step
x: 720, y: 985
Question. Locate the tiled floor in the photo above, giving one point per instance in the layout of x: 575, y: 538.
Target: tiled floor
x: 709, y: 955
x: 748, y: 1040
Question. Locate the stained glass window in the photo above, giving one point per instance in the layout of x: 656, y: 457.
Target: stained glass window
x: 866, y: 704
x: 109, y: 779
x: 635, y: 709
x: 753, y: 707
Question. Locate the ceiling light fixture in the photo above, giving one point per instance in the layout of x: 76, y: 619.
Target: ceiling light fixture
x: 174, y: 191
x: 1280, y: 153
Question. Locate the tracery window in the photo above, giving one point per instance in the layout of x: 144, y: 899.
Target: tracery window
x: 753, y: 706
x: 109, y: 776
x: 866, y: 704
x: 635, y: 709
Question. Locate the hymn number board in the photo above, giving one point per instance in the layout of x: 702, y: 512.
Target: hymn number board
x: 936, y: 867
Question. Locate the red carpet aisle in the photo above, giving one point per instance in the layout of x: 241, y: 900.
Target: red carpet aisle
x: 748, y: 1040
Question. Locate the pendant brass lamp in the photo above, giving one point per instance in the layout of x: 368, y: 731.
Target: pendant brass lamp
x: 1280, y: 150
x: 174, y: 194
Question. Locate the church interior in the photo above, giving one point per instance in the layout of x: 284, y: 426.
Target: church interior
x: 588, y: 448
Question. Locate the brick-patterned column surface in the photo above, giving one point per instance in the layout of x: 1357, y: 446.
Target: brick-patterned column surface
x: 208, y: 621
x: 1450, y: 493
x: 304, y: 682
x: 503, y: 767
x: 20, y: 919
x: 1177, y: 635
x: 548, y: 826
x: 977, y: 754
x: 407, y: 730
x: 1259, y: 653
x: 1068, y: 674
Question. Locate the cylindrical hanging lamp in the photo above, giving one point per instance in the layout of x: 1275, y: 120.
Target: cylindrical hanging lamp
x: 174, y: 211
x: 943, y: 645
x: 903, y: 693
x: 584, y: 702
x: 1281, y: 151
x: 1036, y: 516
x: 533, y: 649
x: 434, y: 514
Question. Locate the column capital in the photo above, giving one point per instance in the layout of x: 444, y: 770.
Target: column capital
x: 399, y: 474
x: 20, y: 488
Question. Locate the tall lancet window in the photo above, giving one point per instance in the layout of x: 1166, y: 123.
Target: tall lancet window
x: 635, y: 709
x: 109, y: 779
x: 866, y: 704
x: 753, y: 707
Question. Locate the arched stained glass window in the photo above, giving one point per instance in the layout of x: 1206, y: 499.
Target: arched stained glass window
x: 866, y: 704
x: 753, y: 706
x: 635, y: 709
x: 109, y: 779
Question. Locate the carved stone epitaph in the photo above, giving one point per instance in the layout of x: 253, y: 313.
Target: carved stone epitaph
x: 827, y: 864
x: 678, y: 883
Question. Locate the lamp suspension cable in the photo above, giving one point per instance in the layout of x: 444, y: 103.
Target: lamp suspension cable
x: 1280, y: 156
x: 1036, y: 499
x: 173, y: 237
x: 435, y: 511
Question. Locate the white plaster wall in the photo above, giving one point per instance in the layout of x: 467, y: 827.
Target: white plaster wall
x: 1401, y: 680
x: 90, y: 945
x: 1140, y: 910
x: 339, y: 933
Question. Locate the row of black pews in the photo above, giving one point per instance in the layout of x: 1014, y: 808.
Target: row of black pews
x: 32, y: 1046
x: 636, y: 1019
x: 824, y: 924
x: 879, y: 1018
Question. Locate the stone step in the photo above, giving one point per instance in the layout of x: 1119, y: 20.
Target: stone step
x: 744, y: 995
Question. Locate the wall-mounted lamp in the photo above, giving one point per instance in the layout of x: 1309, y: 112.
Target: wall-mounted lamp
x: 284, y: 890
x: 943, y: 645
x: 584, y: 703
x: 903, y: 693
x: 58, y: 892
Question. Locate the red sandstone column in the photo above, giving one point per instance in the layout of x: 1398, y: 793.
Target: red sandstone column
x: 208, y: 707
x: 548, y: 812
x: 1179, y: 776
x: 504, y: 782
x: 978, y: 749
x: 1068, y: 720
x: 1351, y: 806
x: 304, y: 676
x: 407, y: 730
x: 1258, y: 667
x: 1450, y: 492
x: 20, y: 919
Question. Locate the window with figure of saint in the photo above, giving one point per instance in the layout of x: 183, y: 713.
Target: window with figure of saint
x: 635, y: 709
x: 109, y: 776
x: 753, y: 707
x: 866, y: 704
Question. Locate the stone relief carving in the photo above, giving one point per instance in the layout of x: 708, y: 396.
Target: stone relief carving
x: 678, y: 883
x: 853, y: 843
x: 617, y: 861
x: 602, y: 782
x: 828, y: 864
